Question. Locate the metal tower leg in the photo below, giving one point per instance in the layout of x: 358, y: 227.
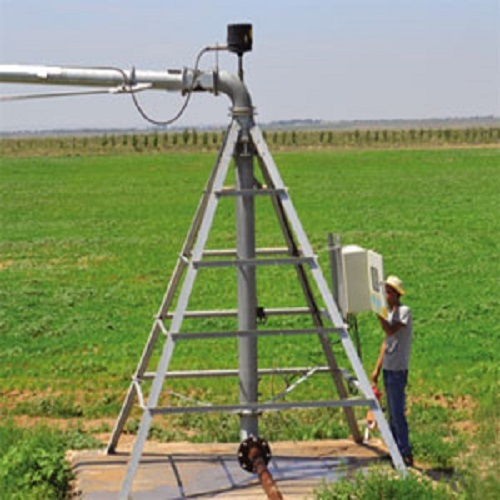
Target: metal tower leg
x: 168, y: 348
x: 313, y: 307
x: 331, y: 308
x: 166, y: 302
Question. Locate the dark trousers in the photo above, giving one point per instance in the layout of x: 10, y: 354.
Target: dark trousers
x: 395, y: 386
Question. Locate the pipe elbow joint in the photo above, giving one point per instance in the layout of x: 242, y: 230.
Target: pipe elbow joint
x: 229, y: 84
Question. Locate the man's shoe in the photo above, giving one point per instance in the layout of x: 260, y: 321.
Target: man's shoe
x: 408, y: 460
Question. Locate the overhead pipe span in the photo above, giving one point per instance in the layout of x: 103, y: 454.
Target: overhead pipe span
x: 185, y: 80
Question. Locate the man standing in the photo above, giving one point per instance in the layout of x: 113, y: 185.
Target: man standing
x: 393, y: 360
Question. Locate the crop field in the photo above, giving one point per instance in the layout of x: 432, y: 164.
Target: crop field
x: 88, y: 245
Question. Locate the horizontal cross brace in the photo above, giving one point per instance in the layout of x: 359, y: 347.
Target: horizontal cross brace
x: 258, y: 251
x: 250, y: 192
x: 255, y: 262
x: 229, y: 313
x: 253, y: 333
x: 253, y: 408
x: 234, y: 373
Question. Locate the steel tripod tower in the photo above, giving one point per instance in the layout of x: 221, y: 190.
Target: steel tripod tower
x: 245, y: 145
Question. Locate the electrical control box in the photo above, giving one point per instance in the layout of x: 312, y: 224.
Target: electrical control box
x: 378, y: 299
x: 363, y: 281
x: 355, y: 277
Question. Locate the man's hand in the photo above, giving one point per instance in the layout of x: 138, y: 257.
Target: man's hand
x: 375, y: 374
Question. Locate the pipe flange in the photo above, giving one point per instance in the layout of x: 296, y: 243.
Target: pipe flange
x: 251, y: 447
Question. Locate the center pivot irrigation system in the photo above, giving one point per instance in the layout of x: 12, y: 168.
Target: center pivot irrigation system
x: 244, y: 144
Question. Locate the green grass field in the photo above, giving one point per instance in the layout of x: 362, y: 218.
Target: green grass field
x: 88, y: 245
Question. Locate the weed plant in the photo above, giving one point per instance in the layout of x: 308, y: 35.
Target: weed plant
x: 380, y: 483
x: 33, y: 464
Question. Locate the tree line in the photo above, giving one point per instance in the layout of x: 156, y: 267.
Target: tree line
x: 203, y: 140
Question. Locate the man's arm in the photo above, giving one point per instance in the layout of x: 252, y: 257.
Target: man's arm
x: 378, y: 366
x: 389, y: 328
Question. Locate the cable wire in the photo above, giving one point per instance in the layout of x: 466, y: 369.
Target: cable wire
x: 188, y: 93
x: 127, y: 87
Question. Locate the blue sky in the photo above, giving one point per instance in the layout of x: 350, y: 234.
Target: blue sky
x: 330, y: 59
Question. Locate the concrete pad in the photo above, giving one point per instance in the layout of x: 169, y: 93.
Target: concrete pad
x: 187, y: 470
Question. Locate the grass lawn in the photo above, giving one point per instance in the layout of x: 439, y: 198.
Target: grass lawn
x: 88, y: 245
